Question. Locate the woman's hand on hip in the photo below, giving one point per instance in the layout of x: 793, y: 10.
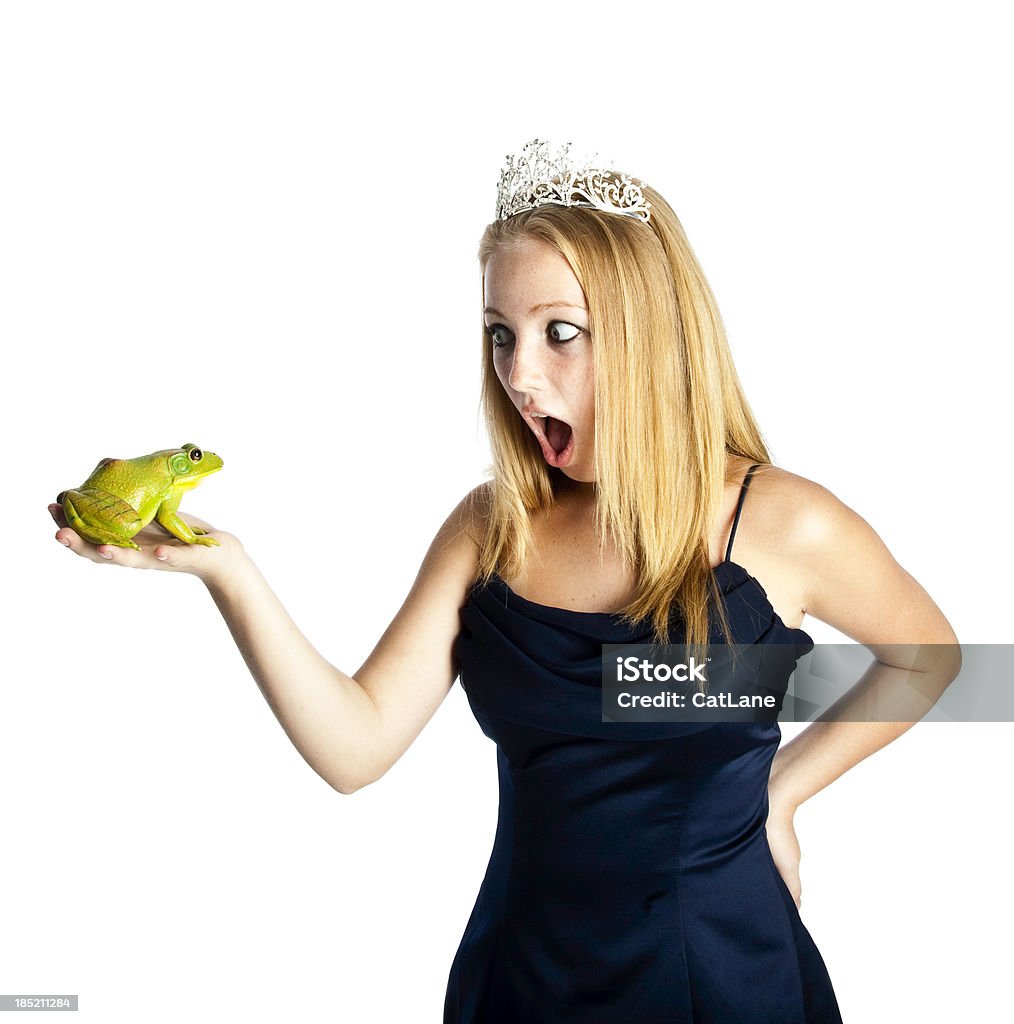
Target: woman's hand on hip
x: 785, y: 847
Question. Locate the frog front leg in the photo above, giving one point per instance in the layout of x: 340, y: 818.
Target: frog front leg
x: 167, y: 518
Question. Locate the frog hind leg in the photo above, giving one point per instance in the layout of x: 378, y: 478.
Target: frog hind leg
x: 101, y: 517
x: 167, y: 518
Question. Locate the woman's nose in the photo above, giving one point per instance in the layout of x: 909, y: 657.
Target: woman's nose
x: 526, y: 367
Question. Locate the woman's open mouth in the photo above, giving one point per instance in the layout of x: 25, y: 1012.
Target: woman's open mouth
x: 555, y: 436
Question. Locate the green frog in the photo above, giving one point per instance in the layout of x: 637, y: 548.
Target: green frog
x: 122, y: 496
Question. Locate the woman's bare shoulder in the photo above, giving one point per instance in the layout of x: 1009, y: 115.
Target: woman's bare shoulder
x: 472, y: 512
x: 786, y: 518
x: 825, y: 559
x: 797, y: 513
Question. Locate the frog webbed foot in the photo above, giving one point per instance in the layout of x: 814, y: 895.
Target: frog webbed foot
x: 169, y: 520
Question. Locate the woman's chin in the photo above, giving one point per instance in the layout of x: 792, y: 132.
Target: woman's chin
x: 579, y: 482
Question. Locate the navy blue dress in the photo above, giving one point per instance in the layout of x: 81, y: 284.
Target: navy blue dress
x: 630, y: 880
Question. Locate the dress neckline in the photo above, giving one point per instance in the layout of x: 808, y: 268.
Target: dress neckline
x: 574, y: 611
x: 613, y: 617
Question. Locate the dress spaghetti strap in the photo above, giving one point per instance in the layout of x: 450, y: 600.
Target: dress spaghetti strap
x: 739, y: 509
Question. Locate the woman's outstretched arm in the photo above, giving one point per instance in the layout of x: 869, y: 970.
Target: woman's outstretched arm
x: 351, y: 728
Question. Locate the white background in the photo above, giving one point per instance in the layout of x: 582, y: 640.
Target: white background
x: 253, y: 226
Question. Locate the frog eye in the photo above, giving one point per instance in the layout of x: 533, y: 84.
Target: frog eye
x: 196, y: 454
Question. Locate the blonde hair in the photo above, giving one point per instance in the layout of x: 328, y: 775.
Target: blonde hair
x: 669, y: 409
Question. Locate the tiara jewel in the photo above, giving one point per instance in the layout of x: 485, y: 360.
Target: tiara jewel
x: 536, y: 177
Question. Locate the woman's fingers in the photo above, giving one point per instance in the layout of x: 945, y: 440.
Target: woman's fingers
x: 795, y: 889
x: 65, y: 535
x: 157, y: 549
x: 785, y: 851
x: 123, y: 556
x: 71, y: 539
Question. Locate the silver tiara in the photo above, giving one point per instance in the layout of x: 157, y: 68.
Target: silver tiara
x: 536, y: 177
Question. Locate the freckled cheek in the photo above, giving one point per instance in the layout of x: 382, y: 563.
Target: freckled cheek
x: 588, y: 391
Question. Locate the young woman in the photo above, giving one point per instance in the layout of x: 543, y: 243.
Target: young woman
x: 641, y: 872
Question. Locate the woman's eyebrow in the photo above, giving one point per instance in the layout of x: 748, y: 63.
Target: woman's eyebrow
x: 542, y: 305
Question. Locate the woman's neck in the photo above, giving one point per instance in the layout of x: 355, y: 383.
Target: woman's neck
x: 579, y: 491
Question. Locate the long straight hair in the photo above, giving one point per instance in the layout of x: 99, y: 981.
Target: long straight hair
x: 669, y: 410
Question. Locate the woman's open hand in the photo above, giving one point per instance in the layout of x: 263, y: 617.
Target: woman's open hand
x: 159, y: 549
x: 785, y: 847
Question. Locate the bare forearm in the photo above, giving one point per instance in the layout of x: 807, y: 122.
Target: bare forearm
x: 326, y: 714
x: 823, y: 752
x: 887, y: 701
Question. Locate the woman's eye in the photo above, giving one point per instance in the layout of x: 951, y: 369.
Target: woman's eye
x: 493, y: 330
x: 554, y: 330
